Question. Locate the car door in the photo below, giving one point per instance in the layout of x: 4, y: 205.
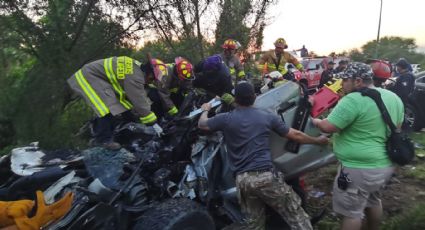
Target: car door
x: 284, y: 101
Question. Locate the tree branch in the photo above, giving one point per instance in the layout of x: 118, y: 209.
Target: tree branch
x: 28, y: 44
x: 84, y: 16
x: 27, y: 20
x: 115, y: 36
x: 180, y: 9
x: 158, y: 24
x: 198, y: 27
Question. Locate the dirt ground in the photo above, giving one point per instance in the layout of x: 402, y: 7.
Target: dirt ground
x: 403, y: 199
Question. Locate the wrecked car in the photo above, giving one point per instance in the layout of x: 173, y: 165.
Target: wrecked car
x: 181, y: 180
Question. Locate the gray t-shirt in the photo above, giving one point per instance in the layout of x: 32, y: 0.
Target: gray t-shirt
x: 246, y: 132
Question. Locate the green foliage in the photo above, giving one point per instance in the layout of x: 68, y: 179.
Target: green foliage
x: 418, y: 137
x: 76, y: 114
x: 390, y: 48
x: 328, y: 223
x: 180, y: 25
x: 417, y: 172
x: 232, y: 23
x: 6, y: 150
x: 14, y: 64
x: 42, y: 43
x: 243, y: 20
x: 158, y: 49
x: 51, y: 40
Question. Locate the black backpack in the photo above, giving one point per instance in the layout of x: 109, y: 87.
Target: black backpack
x: 400, y: 147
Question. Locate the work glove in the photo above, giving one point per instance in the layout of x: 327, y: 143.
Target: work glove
x: 9, y: 210
x: 241, y: 75
x: 45, y: 213
x: 158, y: 129
x: 284, y: 71
x: 227, y: 98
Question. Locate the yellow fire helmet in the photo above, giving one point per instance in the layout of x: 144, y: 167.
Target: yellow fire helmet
x: 280, y: 43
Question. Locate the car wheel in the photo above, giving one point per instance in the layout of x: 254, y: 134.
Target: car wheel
x: 411, y: 118
x: 176, y: 214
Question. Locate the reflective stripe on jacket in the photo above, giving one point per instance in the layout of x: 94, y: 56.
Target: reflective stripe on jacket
x: 234, y: 64
x: 113, y: 85
x: 269, y: 62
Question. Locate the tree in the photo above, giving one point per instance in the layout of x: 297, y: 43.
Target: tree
x: 188, y: 25
x: 180, y: 21
x: 43, y: 42
x: 61, y: 36
x: 243, y: 20
x: 390, y: 48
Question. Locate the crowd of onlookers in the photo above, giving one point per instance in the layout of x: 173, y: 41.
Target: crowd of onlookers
x: 402, y: 82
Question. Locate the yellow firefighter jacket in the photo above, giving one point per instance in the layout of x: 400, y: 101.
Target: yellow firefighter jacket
x: 114, y: 85
x: 269, y: 62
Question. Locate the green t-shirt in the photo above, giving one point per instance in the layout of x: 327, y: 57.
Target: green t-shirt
x: 361, y: 141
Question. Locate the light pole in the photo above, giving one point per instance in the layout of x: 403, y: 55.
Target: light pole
x: 379, y: 29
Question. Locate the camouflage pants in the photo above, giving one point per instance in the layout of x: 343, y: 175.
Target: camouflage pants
x: 258, y: 189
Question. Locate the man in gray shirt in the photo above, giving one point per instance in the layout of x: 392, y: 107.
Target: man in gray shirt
x: 247, y: 130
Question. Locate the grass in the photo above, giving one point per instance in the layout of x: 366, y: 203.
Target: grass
x: 417, y: 172
x: 328, y: 223
x: 418, y: 137
x: 413, y: 219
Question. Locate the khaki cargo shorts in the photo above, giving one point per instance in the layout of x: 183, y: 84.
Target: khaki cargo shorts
x: 362, y: 192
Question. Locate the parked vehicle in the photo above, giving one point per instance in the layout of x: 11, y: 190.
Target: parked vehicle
x: 313, y: 70
x: 416, y: 68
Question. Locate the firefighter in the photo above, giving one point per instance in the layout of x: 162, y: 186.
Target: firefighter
x: 174, y: 82
x: 115, y: 87
x: 229, y: 57
x: 276, y: 59
x: 213, y: 76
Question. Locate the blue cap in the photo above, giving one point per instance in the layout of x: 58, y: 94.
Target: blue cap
x: 403, y: 63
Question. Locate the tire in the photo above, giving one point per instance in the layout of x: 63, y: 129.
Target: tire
x: 411, y: 118
x: 176, y: 214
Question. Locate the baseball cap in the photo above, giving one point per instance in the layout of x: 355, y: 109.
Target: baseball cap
x: 244, y: 90
x: 357, y: 70
x: 403, y: 63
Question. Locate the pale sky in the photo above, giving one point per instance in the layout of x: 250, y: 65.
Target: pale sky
x: 324, y: 26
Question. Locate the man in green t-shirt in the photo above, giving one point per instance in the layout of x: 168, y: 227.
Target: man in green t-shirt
x: 359, y: 144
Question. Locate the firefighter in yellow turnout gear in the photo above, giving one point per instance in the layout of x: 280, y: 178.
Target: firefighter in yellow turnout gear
x: 169, y: 89
x: 229, y: 57
x: 275, y: 60
x: 114, y: 86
